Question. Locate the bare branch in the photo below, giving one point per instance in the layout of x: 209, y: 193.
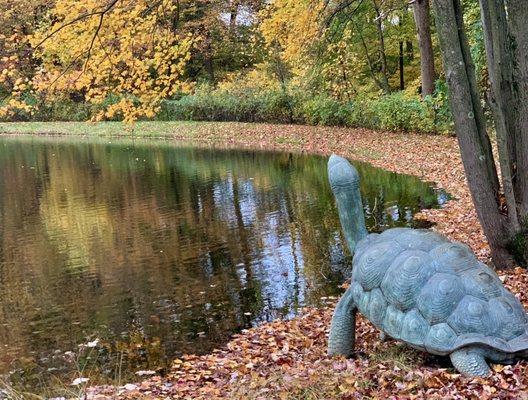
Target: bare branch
x: 78, y: 19
x: 63, y: 72
x: 341, y: 7
x: 96, y: 34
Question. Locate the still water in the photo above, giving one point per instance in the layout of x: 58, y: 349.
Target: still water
x: 150, y: 250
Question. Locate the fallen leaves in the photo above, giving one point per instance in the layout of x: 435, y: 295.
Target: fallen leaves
x: 287, y: 359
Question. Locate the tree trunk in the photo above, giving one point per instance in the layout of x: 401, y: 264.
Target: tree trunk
x: 423, y: 27
x: 402, y: 76
x: 233, y: 14
x: 381, y: 47
x: 208, y: 60
x: 369, y: 61
x: 409, y: 50
x: 518, y: 31
x: 401, y: 61
x: 500, y: 69
x: 475, y: 146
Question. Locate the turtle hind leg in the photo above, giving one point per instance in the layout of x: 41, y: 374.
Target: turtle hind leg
x: 343, y: 327
x: 470, y: 362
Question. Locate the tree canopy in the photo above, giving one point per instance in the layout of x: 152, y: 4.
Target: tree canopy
x: 128, y: 56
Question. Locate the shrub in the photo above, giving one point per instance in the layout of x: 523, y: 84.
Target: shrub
x: 245, y: 103
x: 395, y: 112
x: 442, y: 110
x: 401, y: 113
x: 323, y: 110
x: 60, y: 109
x: 65, y: 110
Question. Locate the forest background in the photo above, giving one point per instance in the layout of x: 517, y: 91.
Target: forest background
x: 358, y: 63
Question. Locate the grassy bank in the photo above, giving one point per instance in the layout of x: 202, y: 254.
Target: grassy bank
x: 142, y: 129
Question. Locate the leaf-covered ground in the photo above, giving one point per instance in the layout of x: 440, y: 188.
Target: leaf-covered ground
x: 286, y: 359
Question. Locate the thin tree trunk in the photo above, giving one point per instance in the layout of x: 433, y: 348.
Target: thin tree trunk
x: 401, y: 60
x: 473, y: 140
x: 409, y: 50
x: 233, y: 14
x: 423, y: 28
x: 402, y: 78
x: 369, y: 61
x: 381, y: 46
x: 208, y: 60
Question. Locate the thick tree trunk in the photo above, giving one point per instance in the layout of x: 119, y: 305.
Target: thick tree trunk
x: 473, y: 140
x: 518, y: 31
x: 423, y: 27
x: 502, y: 102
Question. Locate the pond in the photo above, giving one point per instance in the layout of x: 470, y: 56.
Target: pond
x: 149, y: 250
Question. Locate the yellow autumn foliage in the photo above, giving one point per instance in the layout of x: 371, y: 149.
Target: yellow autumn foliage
x: 129, y: 54
x: 16, y: 67
x: 290, y: 26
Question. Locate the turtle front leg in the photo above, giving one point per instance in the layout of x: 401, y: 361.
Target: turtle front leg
x: 343, y: 327
x: 470, y: 362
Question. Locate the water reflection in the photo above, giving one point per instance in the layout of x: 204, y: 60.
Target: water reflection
x: 162, y: 250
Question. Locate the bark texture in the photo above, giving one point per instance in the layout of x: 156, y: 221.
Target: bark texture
x: 470, y: 128
x: 518, y: 32
x: 423, y: 27
x: 500, y: 68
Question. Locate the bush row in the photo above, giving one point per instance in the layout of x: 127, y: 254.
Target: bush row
x: 395, y: 112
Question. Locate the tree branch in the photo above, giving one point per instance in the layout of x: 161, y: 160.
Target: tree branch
x: 341, y: 7
x: 101, y: 13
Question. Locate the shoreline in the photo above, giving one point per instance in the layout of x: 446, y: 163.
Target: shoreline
x: 286, y: 359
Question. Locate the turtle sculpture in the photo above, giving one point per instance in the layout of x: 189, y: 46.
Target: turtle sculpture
x: 422, y: 289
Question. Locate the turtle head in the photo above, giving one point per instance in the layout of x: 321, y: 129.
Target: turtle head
x: 344, y: 180
x: 342, y: 175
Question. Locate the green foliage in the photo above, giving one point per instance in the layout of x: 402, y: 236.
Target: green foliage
x: 395, y: 112
x: 440, y: 104
x: 245, y: 104
x: 475, y: 35
x: 323, y: 110
x: 65, y: 110
x: 61, y: 109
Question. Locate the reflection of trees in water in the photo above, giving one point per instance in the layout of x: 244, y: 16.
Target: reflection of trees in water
x: 165, y: 241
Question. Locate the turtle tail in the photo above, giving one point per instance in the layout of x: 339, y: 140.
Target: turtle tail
x: 344, y: 180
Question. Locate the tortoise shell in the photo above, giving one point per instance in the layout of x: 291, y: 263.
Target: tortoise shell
x: 421, y: 288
